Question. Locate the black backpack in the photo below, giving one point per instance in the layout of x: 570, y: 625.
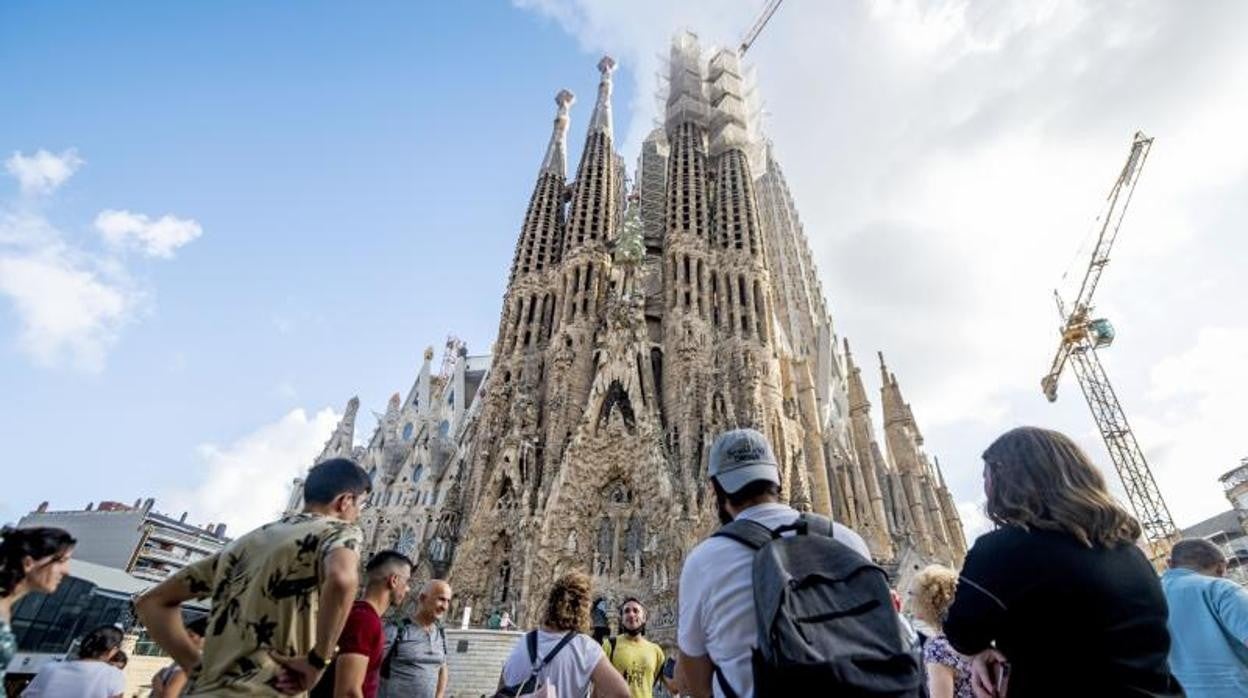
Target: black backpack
x: 825, y: 617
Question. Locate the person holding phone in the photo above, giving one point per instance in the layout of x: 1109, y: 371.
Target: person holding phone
x: 1060, y: 589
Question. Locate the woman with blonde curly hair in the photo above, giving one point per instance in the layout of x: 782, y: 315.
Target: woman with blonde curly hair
x: 559, y: 659
x: 948, y: 673
x: 1058, y: 600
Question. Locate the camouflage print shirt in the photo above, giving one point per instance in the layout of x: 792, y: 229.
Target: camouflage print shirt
x: 264, y: 589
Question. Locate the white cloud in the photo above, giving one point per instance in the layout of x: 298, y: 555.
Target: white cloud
x: 975, y: 522
x: 948, y: 158
x: 43, y: 172
x: 71, y: 301
x: 237, y: 480
x: 69, y: 312
x: 156, y: 238
x: 1195, y: 426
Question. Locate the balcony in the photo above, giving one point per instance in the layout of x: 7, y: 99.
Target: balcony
x: 178, y: 558
x: 161, y: 533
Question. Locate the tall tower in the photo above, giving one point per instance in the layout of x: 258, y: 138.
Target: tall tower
x: 689, y: 410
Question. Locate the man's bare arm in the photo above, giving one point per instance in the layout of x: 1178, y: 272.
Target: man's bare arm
x: 694, y: 674
x: 160, y: 611
x: 349, y: 672
x: 443, y: 679
x: 339, y: 581
x: 338, y: 586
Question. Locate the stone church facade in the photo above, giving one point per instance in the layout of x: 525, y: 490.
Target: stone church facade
x: 638, y: 324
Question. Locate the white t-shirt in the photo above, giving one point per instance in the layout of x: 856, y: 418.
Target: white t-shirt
x: 81, y: 678
x: 717, y: 598
x: 569, y: 671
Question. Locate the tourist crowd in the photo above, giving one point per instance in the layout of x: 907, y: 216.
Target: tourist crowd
x: 1057, y: 600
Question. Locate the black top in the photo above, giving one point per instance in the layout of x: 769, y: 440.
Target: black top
x: 1071, y: 620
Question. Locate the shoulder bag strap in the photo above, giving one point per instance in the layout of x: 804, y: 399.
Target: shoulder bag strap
x: 611, y: 652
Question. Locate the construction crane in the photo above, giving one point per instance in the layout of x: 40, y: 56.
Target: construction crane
x: 1081, y: 337
x: 763, y: 17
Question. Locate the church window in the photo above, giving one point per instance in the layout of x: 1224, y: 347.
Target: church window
x: 407, y: 431
x: 417, y: 472
x: 444, y: 428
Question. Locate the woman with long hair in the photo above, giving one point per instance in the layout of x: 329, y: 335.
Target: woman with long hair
x: 1058, y: 600
x: 559, y: 658
x: 31, y: 559
x: 931, y: 593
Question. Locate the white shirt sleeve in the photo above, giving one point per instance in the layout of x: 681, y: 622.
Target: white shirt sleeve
x: 116, y: 682
x: 690, y: 632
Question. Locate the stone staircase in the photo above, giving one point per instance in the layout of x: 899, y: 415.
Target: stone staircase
x: 475, y: 660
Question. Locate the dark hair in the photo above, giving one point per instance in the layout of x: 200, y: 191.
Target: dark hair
x: 1041, y: 479
x: 387, y: 557
x: 1196, y: 554
x: 631, y: 599
x: 198, y: 625
x: 120, y: 659
x: 98, y: 642
x: 17, y: 544
x: 751, y: 491
x: 333, y: 477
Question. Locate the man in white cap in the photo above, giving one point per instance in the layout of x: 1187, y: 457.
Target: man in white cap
x: 717, y: 626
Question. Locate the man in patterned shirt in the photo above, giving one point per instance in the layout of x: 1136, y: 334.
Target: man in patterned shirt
x: 280, y: 595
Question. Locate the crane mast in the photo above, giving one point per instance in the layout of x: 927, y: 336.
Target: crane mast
x: 1081, y: 336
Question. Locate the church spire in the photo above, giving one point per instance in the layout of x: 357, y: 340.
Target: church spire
x: 857, y: 391
x: 342, y: 441
x: 541, y: 235
x: 556, y: 161
x: 595, y: 195
x: 601, y: 119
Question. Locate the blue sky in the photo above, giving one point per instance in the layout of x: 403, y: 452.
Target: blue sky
x: 359, y: 171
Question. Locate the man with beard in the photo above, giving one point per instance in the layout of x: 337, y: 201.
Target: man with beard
x: 638, y: 659
x: 717, y: 627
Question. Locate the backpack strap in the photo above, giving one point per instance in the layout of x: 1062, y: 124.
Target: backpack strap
x: 724, y: 687
x: 530, y: 683
x: 611, y: 651
x: 388, y: 662
x: 530, y: 639
x: 751, y: 534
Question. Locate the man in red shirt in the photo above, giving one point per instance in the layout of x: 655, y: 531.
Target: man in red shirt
x: 354, y: 673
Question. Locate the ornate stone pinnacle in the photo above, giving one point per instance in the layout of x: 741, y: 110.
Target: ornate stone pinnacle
x: 606, y: 65
x: 564, y: 99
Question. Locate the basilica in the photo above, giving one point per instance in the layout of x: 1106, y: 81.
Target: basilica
x: 642, y: 317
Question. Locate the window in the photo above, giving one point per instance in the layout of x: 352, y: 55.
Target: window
x: 407, y: 431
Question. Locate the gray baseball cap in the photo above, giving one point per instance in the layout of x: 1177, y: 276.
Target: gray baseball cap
x: 742, y: 456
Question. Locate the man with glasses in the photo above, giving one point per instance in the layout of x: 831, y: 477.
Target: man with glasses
x: 280, y: 595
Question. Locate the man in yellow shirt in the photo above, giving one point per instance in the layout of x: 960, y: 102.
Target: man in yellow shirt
x: 638, y: 659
